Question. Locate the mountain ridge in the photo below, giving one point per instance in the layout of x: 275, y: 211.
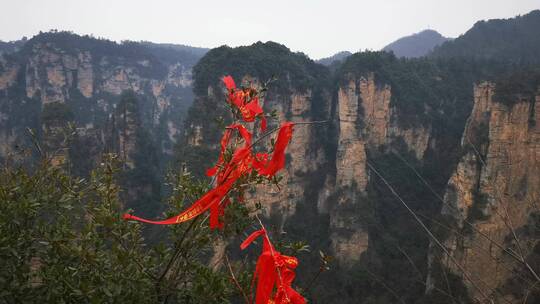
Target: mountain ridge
x: 515, y: 40
x: 416, y: 45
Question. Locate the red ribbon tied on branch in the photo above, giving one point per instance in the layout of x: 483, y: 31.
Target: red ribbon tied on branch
x: 273, y: 272
x: 246, y: 100
x: 242, y: 163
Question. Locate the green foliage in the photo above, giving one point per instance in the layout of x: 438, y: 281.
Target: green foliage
x: 56, y: 113
x: 142, y: 178
x: 173, y: 53
x: 11, y: 46
x: 287, y: 72
x: 416, y: 45
x: 511, y: 40
x: 334, y: 60
x: 73, y: 245
x: 128, y: 53
x: 62, y: 240
x: 522, y: 85
x: 398, y: 245
x: 424, y: 91
x: 100, y: 49
x: 21, y: 112
x: 261, y: 60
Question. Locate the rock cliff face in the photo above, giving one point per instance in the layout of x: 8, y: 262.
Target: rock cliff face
x: 367, y: 123
x: 305, y: 155
x: 86, y: 74
x: 367, y: 106
x: 493, y: 195
x: 58, y: 81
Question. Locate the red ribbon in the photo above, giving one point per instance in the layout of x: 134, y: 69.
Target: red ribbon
x: 244, y: 133
x: 242, y: 162
x: 246, y: 101
x: 273, y: 271
x: 270, y: 168
x: 215, y: 199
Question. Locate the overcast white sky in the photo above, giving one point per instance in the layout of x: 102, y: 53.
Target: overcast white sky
x: 315, y: 27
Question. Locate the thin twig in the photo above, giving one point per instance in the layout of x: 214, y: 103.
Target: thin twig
x: 385, y: 286
x: 177, y: 252
x: 233, y: 277
x: 315, y: 277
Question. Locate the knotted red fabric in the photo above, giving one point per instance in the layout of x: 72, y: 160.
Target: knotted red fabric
x: 246, y: 101
x: 270, y: 168
x: 246, y: 136
x: 215, y: 199
x: 273, y: 271
x: 242, y: 162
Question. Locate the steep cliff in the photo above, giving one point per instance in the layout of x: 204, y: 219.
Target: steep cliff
x: 396, y: 115
x: 492, y: 197
x: 58, y: 81
x: 366, y: 122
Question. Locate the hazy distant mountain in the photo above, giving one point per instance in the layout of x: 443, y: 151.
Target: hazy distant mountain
x: 197, y: 51
x: 515, y: 39
x: 11, y: 46
x: 336, y: 57
x: 416, y: 45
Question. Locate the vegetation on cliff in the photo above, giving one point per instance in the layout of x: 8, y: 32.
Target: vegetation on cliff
x: 64, y: 240
x: 424, y: 91
x: 289, y: 73
x: 262, y: 61
x: 513, y: 40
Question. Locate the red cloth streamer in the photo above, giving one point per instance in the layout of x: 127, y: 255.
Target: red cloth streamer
x: 215, y: 199
x: 246, y: 101
x: 270, y: 168
x: 263, y: 124
x: 244, y: 133
x: 273, y: 271
x: 242, y: 162
x: 229, y: 83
